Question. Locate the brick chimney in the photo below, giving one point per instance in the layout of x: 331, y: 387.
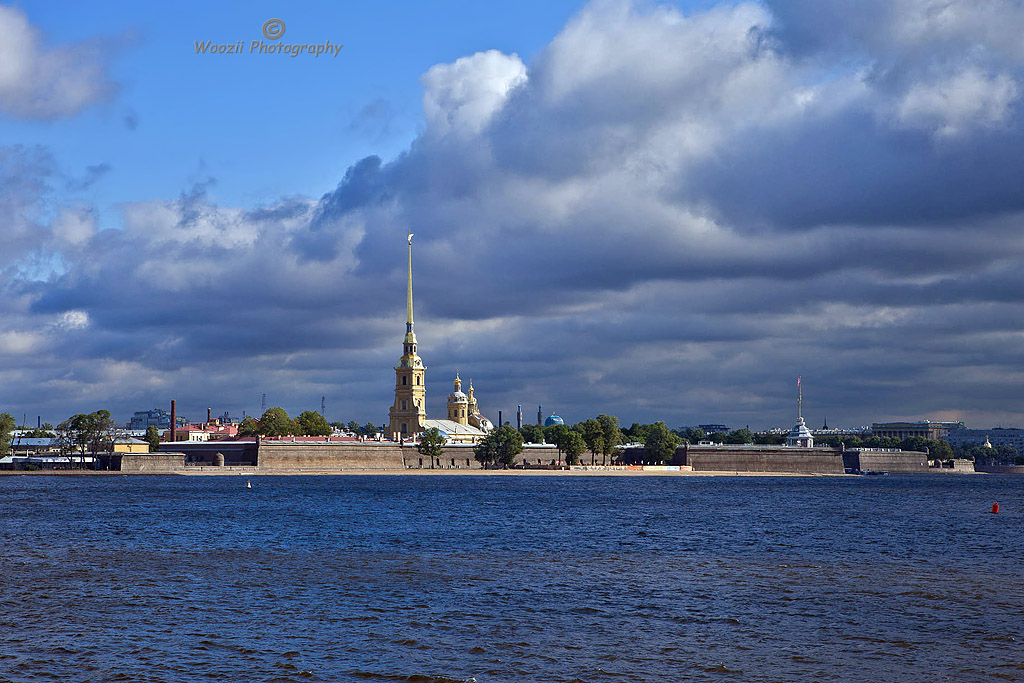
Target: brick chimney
x: 174, y: 420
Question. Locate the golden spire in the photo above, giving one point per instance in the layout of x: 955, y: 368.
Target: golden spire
x: 408, y: 321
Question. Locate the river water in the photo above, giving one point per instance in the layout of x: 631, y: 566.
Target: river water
x: 512, y: 578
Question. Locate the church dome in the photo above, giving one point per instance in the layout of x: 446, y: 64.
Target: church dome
x: 457, y: 397
x: 553, y: 420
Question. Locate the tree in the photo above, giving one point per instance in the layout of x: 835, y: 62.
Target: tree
x: 740, y: 436
x: 661, y: 443
x: 637, y: 432
x: 431, y: 443
x: 486, y: 451
x: 532, y: 433
x: 369, y: 429
x: 573, y: 445
x: 353, y: 427
x: 312, y: 423
x: 509, y: 444
x: 612, y: 436
x: 248, y: 427
x: 7, y: 425
x: 153, y: 437
x: 693, y: 434
x: 593, y: 437
x: 275, y: 422
x: 502, y: 445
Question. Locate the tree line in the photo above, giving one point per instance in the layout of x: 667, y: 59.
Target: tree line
x: 276, y: 422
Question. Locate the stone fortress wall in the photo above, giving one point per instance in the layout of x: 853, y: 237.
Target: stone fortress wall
x: 324, y: 457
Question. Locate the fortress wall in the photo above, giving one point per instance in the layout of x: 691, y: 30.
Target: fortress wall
x: 763, y: 459
x: 321, y: 457
x: 901, y: 462
x: 154, y: 463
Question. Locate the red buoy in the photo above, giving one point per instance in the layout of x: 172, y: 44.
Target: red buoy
x: 995, y: 508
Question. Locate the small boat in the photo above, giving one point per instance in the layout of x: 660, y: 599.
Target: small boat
x: 248, y: 484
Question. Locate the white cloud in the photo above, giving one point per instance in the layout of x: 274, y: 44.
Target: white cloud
x: 74, y: 225
x: 968, y: 99
x: 464, y: 95
x: 40, y: 82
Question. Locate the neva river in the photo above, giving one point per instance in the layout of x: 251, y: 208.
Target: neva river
x: 501, y: 579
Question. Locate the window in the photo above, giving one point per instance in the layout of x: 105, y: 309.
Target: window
x: 403, y: 380
x: 405, y: 428
x: 418, y: 379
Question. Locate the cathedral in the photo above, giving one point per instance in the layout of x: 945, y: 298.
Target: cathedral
x: 408, y: 415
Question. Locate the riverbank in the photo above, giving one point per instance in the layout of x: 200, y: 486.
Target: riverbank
x: 254, y: 472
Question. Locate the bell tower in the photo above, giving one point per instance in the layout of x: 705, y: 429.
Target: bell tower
x: 409, y: 411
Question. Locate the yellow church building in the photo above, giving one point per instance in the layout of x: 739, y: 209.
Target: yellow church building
x: 408, y: 415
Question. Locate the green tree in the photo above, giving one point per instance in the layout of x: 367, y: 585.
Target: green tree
x: 312, y: 423
x: 486, y: 451
x: 693, y: 434
x: 500, y: 446
x: 275, y: 422
x: 661, y: 443
x: 532, y: 433
x: 7, y: 425
x: 593, y: 436
x: 431, y: 444
x: 353, y: 427
x: 573, y: 445
x: 83, y: 433
x: 369, y: 430
x: 248, y: 427
x: 612, y: 438
x: 718, y: 437
x: 153, y: 437
x: 740, y: 436
x: 770, y: 439
x: 556, y: 434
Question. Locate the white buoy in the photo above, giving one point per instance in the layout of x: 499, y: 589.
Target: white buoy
x: 248, y: 484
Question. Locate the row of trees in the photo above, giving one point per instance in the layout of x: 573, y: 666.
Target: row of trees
x: 276, y: 422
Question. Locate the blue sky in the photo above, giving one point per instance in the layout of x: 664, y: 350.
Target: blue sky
x: 263, y: 127
x: 657, y: 210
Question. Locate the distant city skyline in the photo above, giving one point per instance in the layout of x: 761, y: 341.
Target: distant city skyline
x: 657, y: 210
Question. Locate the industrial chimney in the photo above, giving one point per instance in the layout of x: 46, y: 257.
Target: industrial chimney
x: 174, y: 420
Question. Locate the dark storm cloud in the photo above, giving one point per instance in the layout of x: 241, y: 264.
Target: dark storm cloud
x: 661, y: 217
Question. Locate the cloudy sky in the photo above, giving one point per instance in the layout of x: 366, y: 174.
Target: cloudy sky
x: 656, y: 210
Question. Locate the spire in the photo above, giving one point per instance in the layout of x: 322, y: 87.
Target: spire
x: 800, y: 399
x: 458, y: 382
x: 408, y: 321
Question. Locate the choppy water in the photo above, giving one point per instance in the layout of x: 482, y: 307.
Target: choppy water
x: 418, y: 578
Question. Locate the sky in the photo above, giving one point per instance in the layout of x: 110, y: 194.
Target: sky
x: 656, y: 210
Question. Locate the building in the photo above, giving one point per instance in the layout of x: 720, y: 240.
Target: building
x: 713, y: 428
x: 905, y: 430
x: 158, y: 418
x: 408, y: 414
x: 799, y: 435
x: 129, y: 445
x: 997, y: 436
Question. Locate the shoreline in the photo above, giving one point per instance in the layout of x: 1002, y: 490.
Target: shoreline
x: 231, y: 472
